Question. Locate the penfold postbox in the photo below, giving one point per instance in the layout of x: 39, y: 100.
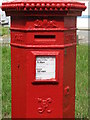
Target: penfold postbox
x: 43, y: 57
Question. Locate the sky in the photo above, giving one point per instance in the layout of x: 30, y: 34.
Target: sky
x: 0, y: 2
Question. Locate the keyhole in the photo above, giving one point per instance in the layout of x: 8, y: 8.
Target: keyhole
x: 68, y: 90
x: 18, y: 66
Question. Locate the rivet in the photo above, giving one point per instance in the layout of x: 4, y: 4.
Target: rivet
x: 53, y: 5
x: 58, y: 5
x: 30, y: 9
x: 61, y: 9
x: 38, y: 5
x: 27, y: 5
x: 63, y: 5
x: 7, y: 6
x: 46, y: 9
x: 43, y: 5
x: 48, y: 5
x: 56, y: 9
x: 25, y: 9
x: 40, y: 9
x: 68, y: 5
x: 36, y: 9
x: 51, y: 9
x: 66, y: 9
x: 22, y: 5
x: 32, y: 5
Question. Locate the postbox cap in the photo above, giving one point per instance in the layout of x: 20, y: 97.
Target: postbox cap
x: 42, y: 1
x: 43, y: 5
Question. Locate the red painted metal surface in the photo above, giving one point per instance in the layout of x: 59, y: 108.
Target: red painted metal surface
x: 48, y: 30
x: 43, y: 5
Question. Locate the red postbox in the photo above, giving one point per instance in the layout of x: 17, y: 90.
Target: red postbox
x: 43, y: 57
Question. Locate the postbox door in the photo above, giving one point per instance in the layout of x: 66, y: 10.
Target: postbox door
x: 44, y: 81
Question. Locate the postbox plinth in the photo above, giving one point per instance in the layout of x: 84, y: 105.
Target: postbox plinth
x: 43, y: 57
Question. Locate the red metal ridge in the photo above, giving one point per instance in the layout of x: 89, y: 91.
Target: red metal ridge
x: 45, y: 6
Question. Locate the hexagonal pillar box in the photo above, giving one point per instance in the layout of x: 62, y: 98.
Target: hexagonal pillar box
x: 43, y: 57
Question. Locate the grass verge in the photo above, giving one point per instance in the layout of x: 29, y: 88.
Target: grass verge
x: 6, y: 82
x: 4, y: 31
x: 81, y: 103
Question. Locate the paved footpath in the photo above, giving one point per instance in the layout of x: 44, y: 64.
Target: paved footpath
x: 5, y: 40
x: 83, y: 36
